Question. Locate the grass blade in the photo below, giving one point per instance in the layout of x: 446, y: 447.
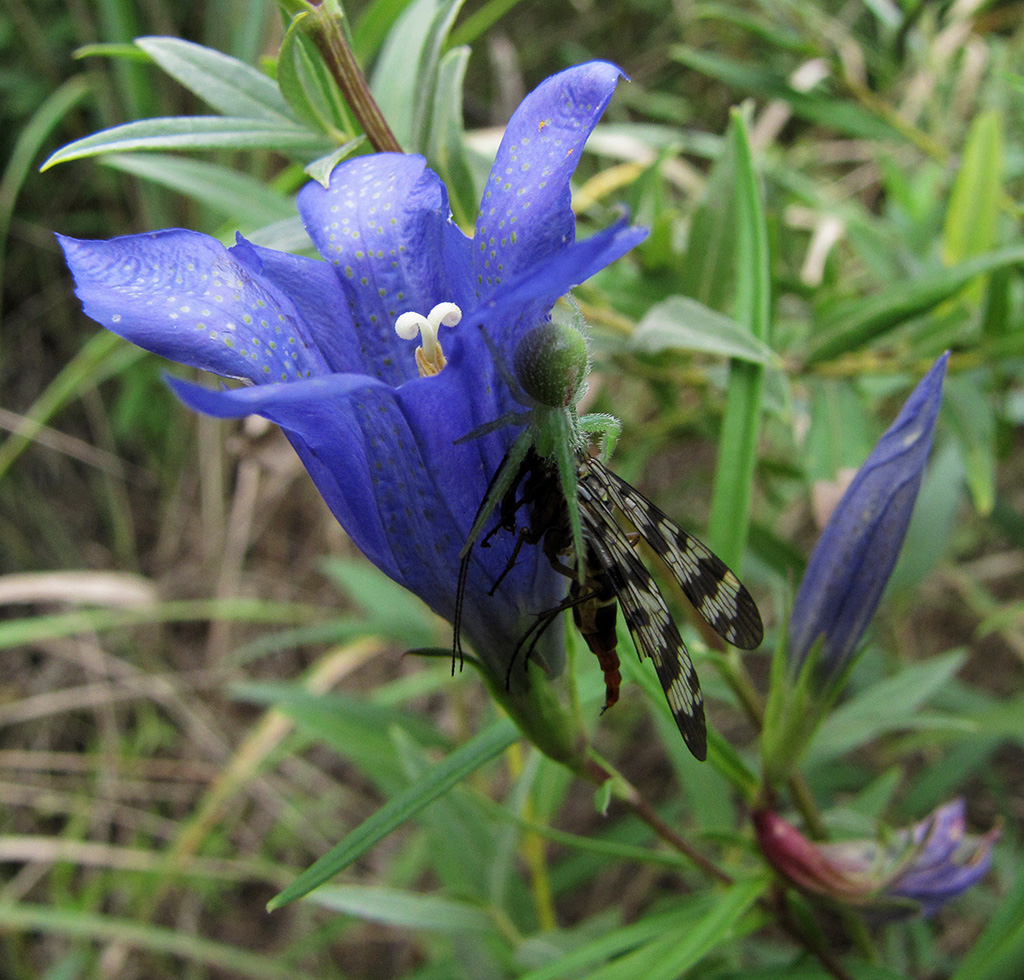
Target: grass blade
x: 737, y: 450
x: 102, y: 356
x: 30, y: 139
x: 397, y: 811
x: 860, y: 321
x: 25, y: 917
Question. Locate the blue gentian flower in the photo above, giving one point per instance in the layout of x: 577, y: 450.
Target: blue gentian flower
x: 375, y: 421
x: 857, y: 550
x: 911, y: 871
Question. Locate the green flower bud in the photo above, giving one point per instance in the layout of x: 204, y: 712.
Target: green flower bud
x: 551, y: 363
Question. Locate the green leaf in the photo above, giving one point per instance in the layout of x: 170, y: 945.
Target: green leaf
x: 673, y: 953
x: 405, y: 910
x: 462, y: 842
x: 480, y: 20
x: 708, y: 272
x: 682, y: 323
x: 308, y: 87
x: 375, y: 23
x: 321, y: 168
x: 233, y: 195
x: 841, y: 434
x: 579, y: 961
x: 973, y: 211
x: 446, y: 149
x: 224, y: 83
x: 737, y: 449
x: 934, y: 519
x: 405, y: 76
x: 284, y: 236
x: 190, y: 133
x: 389, y: 609
x: 401, y: 808
x: 968, y: 407
x: 999, y: 951
x: 888, y: 706
x: 113, y: 49
x: 857, y: 322
x: 357, y: 730
x: 606, y: 850
x: 823, y: 109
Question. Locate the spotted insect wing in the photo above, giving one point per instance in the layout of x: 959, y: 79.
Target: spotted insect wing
x: 612, y: 570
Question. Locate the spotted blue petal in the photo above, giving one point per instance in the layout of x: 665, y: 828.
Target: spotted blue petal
x: 185, y: 296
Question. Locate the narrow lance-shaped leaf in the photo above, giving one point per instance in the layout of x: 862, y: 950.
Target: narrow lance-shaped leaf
x: 224, y: 83
x: 402, y: 808
x: 973, y: 211
x: 189, y: 133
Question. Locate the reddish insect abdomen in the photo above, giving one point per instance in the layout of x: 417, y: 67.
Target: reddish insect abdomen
x: 595, y: 619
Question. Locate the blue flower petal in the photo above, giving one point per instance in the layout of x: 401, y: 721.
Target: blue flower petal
x: 319, y: 417
x: 534, y: 293
x: 383, y: 223
x: 950, y: 861
x: 517, y: 308
x: 525, y: 215
x: 857, y: 550
x: 385, y: 463
x: 184, y: 296
x: 933, y: 887
x: 314, y: 288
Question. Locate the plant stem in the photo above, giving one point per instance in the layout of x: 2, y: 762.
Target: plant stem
x: 597, y: 771
x: 325, y: 29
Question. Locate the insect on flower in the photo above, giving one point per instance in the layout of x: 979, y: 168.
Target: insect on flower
x: 571, y: 499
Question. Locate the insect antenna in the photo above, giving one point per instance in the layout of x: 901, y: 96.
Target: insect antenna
x: 540, y: 626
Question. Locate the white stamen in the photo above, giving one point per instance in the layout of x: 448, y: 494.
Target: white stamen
x: 429, y: 356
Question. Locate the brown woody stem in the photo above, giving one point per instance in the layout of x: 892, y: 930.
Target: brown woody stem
x: 326, y: 31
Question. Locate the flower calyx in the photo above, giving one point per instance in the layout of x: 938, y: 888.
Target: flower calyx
x: 430, y: 359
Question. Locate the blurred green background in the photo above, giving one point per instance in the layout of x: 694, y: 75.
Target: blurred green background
x: 202, y: 691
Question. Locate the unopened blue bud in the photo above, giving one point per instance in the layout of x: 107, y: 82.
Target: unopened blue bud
x: 857, y: 550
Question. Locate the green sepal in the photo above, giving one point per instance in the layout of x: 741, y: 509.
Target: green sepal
x: 540, y: 715
x: 795, y: 708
